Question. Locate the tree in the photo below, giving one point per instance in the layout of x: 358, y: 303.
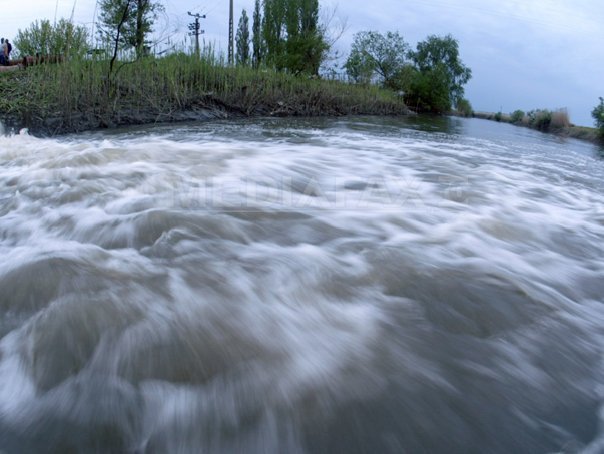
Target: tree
x: 243, y: 40
x: 257, y: 36
x: 428, y: 91
x: 293, y: 39
x: 440, y: 55
x: 305, y: 45
x: 127, y: 23
x: 374, y: 55
x: 63, y: 38
x: 272, y: 30
x: 598, y: 116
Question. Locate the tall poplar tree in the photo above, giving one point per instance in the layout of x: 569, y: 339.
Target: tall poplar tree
x: 294, y: 39
x: 257, y: 42
x: 273, y: 30
x: 242, y: 55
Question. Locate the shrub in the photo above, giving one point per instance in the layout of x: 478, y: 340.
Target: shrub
x: 543, y: 120
x: 540, y: 119
x: 428, y: 92
x: 498, y: 116
x: 61, y: 38
x: 517, y: 116
x: 465, y: 108
x: 598, y: 116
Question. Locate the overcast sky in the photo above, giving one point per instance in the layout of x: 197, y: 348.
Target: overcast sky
x: 524, y: 54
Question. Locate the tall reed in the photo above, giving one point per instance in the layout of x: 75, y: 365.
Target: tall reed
x: 77, y: 95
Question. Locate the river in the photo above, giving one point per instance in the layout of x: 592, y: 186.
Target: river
x: 363, y: 285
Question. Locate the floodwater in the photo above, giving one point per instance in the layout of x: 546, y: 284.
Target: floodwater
x: 363, y: 285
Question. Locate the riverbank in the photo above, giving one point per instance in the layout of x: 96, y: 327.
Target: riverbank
x: 562, y: 129
x: 80, y: 96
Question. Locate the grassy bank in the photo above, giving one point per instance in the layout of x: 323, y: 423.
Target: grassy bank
x: 555, y: 122
x: 77, y: 96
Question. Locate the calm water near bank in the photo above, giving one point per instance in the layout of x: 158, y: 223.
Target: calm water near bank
x: 302, y: 285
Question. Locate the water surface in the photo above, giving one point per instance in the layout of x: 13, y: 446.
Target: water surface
x: 293, y: 285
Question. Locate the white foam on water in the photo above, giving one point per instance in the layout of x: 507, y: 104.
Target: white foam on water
x: 262, y: 284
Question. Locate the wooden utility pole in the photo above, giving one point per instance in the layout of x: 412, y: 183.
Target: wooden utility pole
x: 196, y: 30
x: 231, y: 35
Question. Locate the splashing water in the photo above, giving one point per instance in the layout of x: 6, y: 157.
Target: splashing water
x: 363, y: 285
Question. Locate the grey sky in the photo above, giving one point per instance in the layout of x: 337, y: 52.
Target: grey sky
x: 524, y: 54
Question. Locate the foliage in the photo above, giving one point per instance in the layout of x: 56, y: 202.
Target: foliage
x: 243, y: 40
x: 540, y: 119
x: 43, y: 38
x: 428, y: 92
x: 432, y: 77
x: 498, y: 116
x: 517, y: 116
x: 257, y: 48
x: 465, y: 108
x: 292, y: 37
x: 440, y: 55
x: 374, y: 55
x: 127, y: 22
x: 598, y: 116
x: 273, y: 21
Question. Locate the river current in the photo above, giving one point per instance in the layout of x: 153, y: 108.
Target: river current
x: 366, y: 285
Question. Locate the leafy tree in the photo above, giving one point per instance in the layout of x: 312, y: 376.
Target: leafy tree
x: 294, y: 41
x: 62, y: 38
x: 305, y: 46
x: 428, y: 91
x: 127, y: 23
x: 257, y: 36
x: 273, y: 30
x: 598, y: 116
x: 243, y: 40
x: 374, y: 55
x: 441, y: 55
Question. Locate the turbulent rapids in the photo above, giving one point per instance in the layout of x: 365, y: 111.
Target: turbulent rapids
x: 302, y: 286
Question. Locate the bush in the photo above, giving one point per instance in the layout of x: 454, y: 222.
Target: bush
x: 61, y: 38
x: 517, y: 116
x: 465, y: 108
x: 428, y: 92
x: 540, y: 119
x: 498, y: 116
x: 598, y: 115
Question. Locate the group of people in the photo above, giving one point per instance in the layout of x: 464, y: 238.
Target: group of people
x: 5, y: 50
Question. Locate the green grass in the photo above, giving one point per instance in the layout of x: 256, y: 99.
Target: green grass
x: 77, y: 95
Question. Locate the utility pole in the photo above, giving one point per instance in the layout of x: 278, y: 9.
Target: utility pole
x: 231, y: 34
x: 196, y: 29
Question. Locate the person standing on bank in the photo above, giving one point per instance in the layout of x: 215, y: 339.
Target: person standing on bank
x: 3, y: 53
x: 9, y: 49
